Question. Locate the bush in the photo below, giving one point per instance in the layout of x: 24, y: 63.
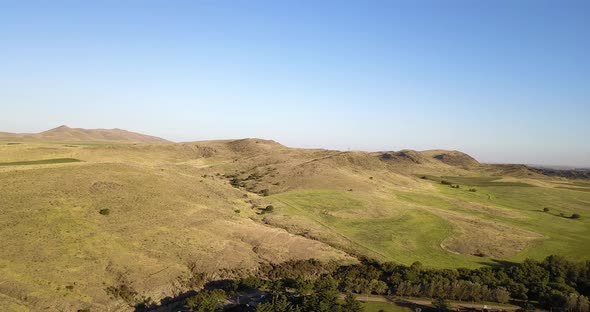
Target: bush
x: 575, y: 216
x: 104, y: 212
x: 445, y: 182
x: 235, y: 182
x: 237, y: 210
x: 545, y: 209
x: 472, y: 190
x: 265, y: 192
x: 269, y: 208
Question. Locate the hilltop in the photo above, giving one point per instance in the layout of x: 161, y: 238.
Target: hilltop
x: 79, y: 218
x: 67, y: 134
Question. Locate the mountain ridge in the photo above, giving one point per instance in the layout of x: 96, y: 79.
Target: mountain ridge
x: 65, y: 133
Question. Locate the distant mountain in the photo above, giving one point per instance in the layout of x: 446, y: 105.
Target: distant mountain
x: 572, y: 173
x: 67, y: 134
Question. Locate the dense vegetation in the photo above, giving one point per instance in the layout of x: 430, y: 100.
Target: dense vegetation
x: 315, y: 286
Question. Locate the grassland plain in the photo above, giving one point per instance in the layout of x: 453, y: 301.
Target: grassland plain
x: 179, y: 207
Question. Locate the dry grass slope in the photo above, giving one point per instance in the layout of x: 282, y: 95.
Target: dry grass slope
x: 176, y: 208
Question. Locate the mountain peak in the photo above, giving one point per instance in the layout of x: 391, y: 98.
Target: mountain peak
x: 62, y: 127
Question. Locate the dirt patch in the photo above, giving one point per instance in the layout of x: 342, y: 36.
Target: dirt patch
x: 102, y: 187
x: 490, y: 210
x: 479, y: 237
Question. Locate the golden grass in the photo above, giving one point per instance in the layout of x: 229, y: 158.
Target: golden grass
x: 172, y: 204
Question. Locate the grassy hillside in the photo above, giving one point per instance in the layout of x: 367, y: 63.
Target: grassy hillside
x: 67, y: 134
x: 78, y: 218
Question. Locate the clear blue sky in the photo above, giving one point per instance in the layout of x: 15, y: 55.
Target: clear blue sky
x: 506, y: 81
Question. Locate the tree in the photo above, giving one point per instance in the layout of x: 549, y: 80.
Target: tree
x: 351, y: 304
x: 500, y: 295
x: 577, y: 303
x: 326, y: 297
x: 571, y: 303
x: 583, y: 304
x: 378, y: 287
x: 527, y: 308
x: 279, y: 303
x: 206, y: 301
x: 303, y: 286
x: 440, y: 305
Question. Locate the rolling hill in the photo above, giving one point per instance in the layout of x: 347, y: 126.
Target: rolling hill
x: 77, y: 218
x: 67, y: 134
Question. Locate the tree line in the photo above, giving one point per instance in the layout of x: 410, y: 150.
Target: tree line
x: 311, y: 285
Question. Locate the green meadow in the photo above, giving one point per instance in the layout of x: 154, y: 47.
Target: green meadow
x: 413, y: 224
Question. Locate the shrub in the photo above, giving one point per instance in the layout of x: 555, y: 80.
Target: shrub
x: 545, y: 209
x: 104, y: 212
x: 472, y: 190
x: 265, y: 192
x: 480, y: 254
x: 575, y: 216
x: 235, y: 182
x: 445, y: 182
x: 269, y: 208
x: 237, y: 210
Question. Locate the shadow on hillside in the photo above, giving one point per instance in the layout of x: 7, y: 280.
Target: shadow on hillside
x: 176, y: 304
x: 497, y: 263
x: 168, y: 304
x: 410, y: 305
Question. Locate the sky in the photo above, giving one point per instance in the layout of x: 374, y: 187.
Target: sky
x: 505, y: 81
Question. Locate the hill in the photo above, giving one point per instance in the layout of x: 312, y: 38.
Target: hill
x: 67, y: 134
x: 76, y: 218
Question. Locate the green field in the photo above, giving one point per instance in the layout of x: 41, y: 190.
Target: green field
x: 563, y: 235
x: 412, y: 225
